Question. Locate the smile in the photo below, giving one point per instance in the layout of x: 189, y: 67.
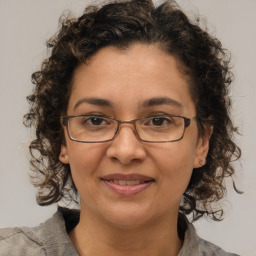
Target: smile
x: 128, y: 182
x: 127, y: 185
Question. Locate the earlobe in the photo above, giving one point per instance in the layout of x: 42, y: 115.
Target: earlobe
x: 203, y: 148
x: 63, y: 157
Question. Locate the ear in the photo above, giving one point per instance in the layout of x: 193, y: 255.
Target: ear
x: 202, y: 147
x: 63, y: 157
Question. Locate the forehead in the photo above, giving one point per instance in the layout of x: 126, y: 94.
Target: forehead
x: 128, y: 76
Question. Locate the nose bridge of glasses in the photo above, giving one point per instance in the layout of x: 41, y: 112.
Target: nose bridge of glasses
x: 130, y: 123
x: 127, y: 124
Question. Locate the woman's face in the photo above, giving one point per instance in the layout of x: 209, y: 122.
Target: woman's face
x: 126, y: 82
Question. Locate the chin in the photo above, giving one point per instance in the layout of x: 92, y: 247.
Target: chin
x: 127, y: 217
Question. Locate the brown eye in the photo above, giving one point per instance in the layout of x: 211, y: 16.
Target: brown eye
x: 158, y: 121
x: 95, y: 120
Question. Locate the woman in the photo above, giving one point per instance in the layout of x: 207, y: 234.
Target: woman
x: 131, y: 112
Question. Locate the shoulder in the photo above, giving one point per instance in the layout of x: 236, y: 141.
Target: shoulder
x: 195, y: 246
x: 208, y: 248
x: 17, y: 241
x: 49, y: 238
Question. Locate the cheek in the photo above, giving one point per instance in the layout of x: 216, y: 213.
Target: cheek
x: 175, y: 163
x: 84, y: 160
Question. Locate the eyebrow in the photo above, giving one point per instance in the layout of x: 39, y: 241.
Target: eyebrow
x: 161, y: 101
x: 94, y: 101
x: 147, y: 103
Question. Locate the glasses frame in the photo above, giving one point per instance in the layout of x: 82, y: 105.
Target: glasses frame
x: 187, y: 123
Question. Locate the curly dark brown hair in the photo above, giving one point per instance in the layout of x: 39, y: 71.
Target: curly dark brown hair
x: 121, y: 24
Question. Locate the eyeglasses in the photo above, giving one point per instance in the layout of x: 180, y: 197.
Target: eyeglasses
x: 154, y: 129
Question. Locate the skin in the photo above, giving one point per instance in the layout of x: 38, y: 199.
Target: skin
x: 145, y: 223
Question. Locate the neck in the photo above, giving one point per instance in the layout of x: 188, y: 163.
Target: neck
x: 93, y: 236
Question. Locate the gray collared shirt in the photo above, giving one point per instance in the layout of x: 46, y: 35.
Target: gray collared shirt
x: 51, y: 238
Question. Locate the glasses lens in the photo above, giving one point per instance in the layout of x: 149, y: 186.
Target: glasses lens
x: 160, y: 128
x: 91, y: 128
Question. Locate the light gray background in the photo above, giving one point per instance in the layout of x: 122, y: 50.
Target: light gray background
x: 26, y: 25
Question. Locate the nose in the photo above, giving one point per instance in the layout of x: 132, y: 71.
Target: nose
x: 126, y: 147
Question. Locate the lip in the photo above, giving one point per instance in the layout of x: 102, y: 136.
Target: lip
x: 120, y: 176
x: 127, y: 190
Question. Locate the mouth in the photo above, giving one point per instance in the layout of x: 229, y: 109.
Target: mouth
x: 128, y: 182
x: 127, y: 185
